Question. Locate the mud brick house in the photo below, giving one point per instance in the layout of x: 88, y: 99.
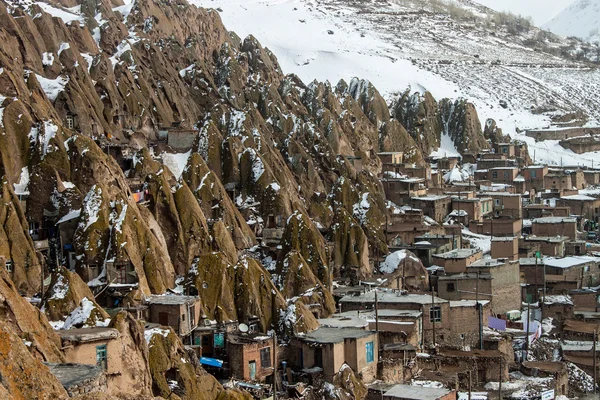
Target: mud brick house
x: 555, y: 226
x: 559, y: 307
x: 464, y: 324
x: 592, y: 177
x: 484, y: 365
x: 435, y: 206
x: 586, y: 206
x: 505, y: 204
x: 505, y: 247
x: 585, y: 299
x: 575, y: 248
x: 492, y: 160
x: 578, y: 348
x: 557, y: 179
x: 475, y: 208
x: 456, y: 261
x: 403, y: 228
x: 506, y: 149
x: 330, y: 348
x: 496, y: 277
x: 503, y: 174
x: 434, y: 309
x: 391, y: 159
x: 534, y: 177
x: 100, y: 347
x: 549, y: 369
x: 532, y: 211
x: 502, y: 226
x: 408, y: 392
x: 582, y: 269
x: 553, y: 246
x: 400, y: 190
x: 251, y: 356
x: 396, y: 364
x: 179, y: 312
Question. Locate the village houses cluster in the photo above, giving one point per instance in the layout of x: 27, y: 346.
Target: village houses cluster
x: 488, y: 252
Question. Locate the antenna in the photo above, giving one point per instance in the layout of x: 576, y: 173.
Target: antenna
x: 243, y: 328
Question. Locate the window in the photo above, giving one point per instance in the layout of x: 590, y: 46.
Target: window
x: 494, y: 174
x: 370, y: 352
x: 497, y: 202
x: 505, y: 149
x: 9, y: 265
x: 101, y: 359
x: 435, y: 314
x: 533, y: 173
x: 506, y: 175
x: 219, y: 340
x: 450, y: 287
x: 265, y: 357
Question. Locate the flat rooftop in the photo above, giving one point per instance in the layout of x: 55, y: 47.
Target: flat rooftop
x: 548, y: 239
x: 408, y: 392
x: 572, y: 261
x: 86, y: 335
x: 335, y: 335
x: 391, y: 297
x: 487, y: 263
x: 554, y: 220
x: 430, y: 198
x: 170, y: 299
x: 457, y: 254
x: 344, y: 322
x: 71, y: 374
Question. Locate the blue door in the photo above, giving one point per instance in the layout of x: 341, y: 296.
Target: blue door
x: 252, y: 368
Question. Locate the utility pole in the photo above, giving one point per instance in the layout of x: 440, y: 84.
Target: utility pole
x: 432, y: 312
x: 527, y: 334
x: 479, y: 314
x: 274, y: 310
x: 536, y: 280
x: 470, y: 384
x: 595, y: 367
x: 500, y: 381
x: 376, y: 315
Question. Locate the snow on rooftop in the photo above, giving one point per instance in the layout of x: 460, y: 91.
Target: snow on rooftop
x: 392, y: 261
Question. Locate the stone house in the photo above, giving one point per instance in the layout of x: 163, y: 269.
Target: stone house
x: 251, y: 356
x: 555, y: 226
x: 456, y: 261
x: 330, y: 348
x: 435, y: 206
x: 464, y: 324
x: 404, y: 228
x: 181, y: 139
x: 505, y: 247
x: 79, y: 379
x: 179, y: 312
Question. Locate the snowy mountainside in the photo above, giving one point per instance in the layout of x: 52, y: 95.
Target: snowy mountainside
x: 460, y: 51
x: 580, y: 19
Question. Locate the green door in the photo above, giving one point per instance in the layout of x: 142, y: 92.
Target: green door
x: 252, y: 368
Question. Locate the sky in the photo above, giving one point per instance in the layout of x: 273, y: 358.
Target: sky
x: 541, y: 11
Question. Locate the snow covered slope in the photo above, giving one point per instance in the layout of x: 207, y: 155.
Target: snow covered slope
x: 580, y: 19
x: 409, y: 43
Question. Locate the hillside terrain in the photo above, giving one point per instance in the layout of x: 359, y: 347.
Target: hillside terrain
x: 514, y: 73
x: 580, y: 19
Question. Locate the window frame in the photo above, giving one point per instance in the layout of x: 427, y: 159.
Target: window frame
x: 370, y: 352
x: 102, y: 356
x: 265, y: 357
x: 433, y: 310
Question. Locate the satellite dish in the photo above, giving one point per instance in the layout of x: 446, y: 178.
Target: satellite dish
x: 243, y: 328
